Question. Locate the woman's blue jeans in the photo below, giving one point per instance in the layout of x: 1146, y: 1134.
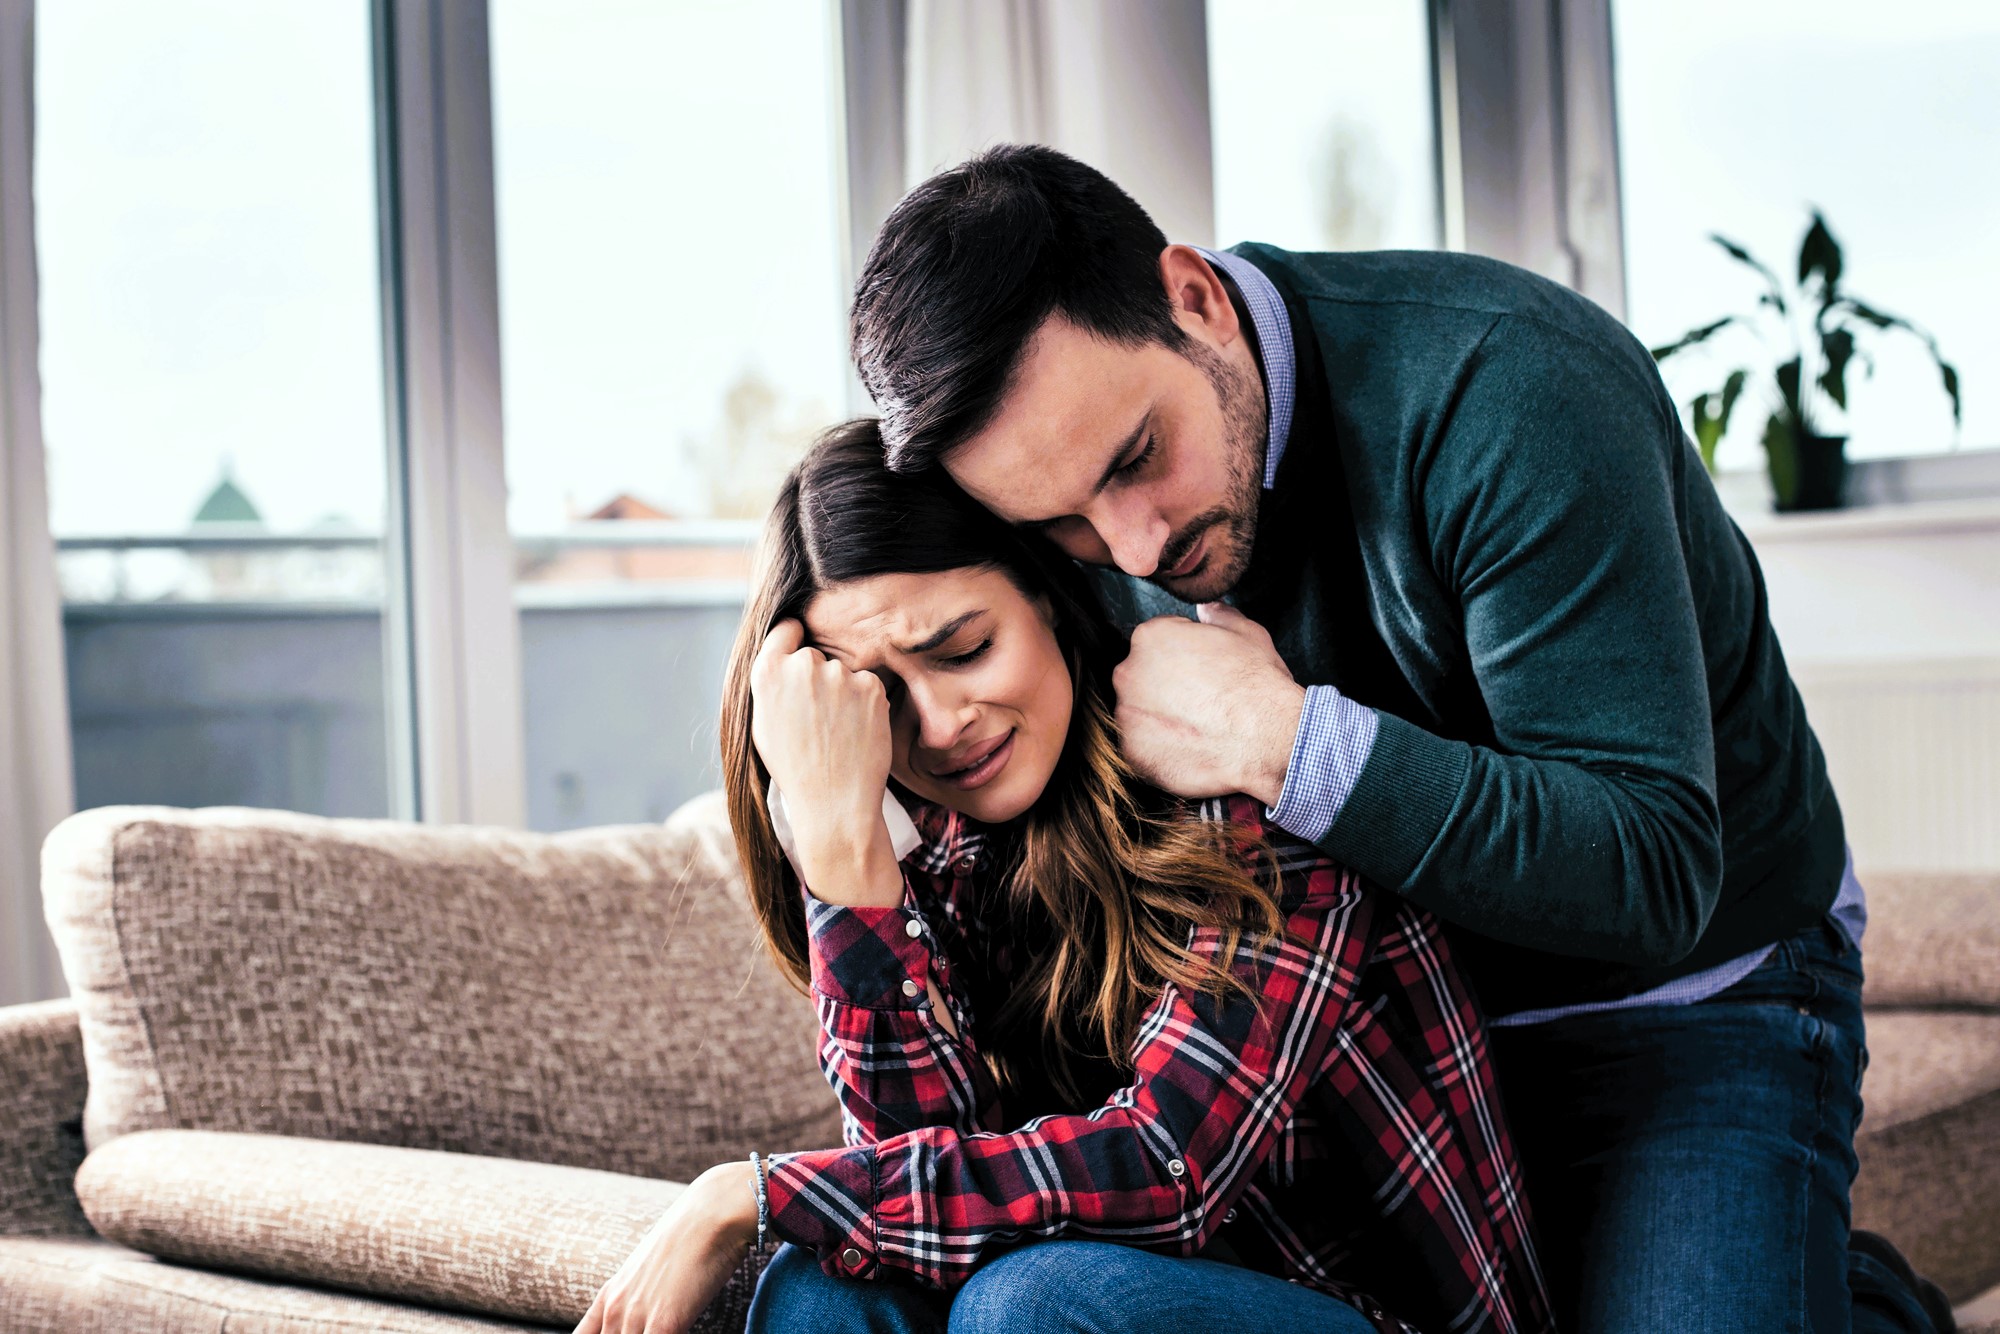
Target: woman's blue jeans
x: 1050, y: 1287
x: 1689, y: 1165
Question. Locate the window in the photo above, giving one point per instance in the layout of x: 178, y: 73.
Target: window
x: 1323, y: 129
x: 673, y: 335
x: 211, y: 359
x: 1738, y: 118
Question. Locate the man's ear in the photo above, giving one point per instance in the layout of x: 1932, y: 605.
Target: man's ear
x: 1201, y: 303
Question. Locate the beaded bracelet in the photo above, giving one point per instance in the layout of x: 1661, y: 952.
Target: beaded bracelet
x: 757, y: 1169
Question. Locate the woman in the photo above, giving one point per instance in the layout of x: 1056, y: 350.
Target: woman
x: 1105, y: 1059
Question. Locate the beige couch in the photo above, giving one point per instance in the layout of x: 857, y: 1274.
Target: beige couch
x: 322, y: 1075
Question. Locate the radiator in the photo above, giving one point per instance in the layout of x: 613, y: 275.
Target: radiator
x: 1914, y: 750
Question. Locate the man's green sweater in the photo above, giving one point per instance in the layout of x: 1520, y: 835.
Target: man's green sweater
x: 1489, y: 526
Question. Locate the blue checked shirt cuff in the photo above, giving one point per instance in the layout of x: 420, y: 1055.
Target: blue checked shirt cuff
x: 1334, y: 739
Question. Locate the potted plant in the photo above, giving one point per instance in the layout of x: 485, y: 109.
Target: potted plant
x: 1808, y: 466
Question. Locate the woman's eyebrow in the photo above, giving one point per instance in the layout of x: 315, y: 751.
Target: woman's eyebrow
x: 943, y: 632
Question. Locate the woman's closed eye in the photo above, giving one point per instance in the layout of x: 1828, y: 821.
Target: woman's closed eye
x: 967, y: 658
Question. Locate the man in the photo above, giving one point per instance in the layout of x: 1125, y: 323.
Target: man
x: 1490, y: 639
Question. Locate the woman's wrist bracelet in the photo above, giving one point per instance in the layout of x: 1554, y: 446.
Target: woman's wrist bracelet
x: 757, y: 1185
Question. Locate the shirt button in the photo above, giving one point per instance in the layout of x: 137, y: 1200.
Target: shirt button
x: 968, y: 861
x: 910, y: 988
x: 851, y: 1258
x: 1175, y: 1167
x: 913, y: 928
x: 1229, y: 1217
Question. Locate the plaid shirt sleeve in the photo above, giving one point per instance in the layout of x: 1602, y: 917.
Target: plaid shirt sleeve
x: 891, y: 1062
x: 1158, y: 1165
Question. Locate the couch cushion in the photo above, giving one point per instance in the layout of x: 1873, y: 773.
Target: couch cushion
x: 1933, y: 938
x: 531, y: 1241
x: 41, y: 1113
x: 597, y: 998
x: 1930, y: 1173
x: 86, y: 1285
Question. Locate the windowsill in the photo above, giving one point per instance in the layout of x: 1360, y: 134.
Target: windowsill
x: 1957, y: 491
x: 1892, y: 520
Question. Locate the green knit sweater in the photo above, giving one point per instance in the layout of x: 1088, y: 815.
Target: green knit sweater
x: 1489, y: 525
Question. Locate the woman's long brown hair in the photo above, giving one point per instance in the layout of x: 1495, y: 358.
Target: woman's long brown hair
x: 1119, y: 871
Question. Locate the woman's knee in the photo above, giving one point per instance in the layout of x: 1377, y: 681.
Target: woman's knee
x: 1041, y: 1288
x: 796, y: 1296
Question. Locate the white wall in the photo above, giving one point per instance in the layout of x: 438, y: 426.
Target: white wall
x: 1890, y: 619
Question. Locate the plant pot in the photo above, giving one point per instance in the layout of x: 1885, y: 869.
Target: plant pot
x: 1818, y: 474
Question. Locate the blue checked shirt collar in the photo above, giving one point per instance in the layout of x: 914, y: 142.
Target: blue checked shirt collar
x: 1274, y: 342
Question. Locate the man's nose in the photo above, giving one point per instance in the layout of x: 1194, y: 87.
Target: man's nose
x: 1134, y: 536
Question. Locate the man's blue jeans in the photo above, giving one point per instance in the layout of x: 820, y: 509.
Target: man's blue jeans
x: 1689, y: 1165
x: 1050, y: 1287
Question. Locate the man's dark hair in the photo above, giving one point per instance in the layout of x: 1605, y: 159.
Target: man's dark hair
x: 967, y: 268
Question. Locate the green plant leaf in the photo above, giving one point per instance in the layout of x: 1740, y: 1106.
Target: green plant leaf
x: 1781, y: 457
x: 1732, y: 389
x: 1867, y: 314
x: 1707, y: 427
x: 1692, y: 337
x: 1837, y: 348
x: 1742, y: 256
x: 1788, y: 390
x: 1882, y: 319
x: 1819, y: 254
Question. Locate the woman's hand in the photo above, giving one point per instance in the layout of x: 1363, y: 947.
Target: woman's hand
x: 823, y: 732
x: 684, y: 1259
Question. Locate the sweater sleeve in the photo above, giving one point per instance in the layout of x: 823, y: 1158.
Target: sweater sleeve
x: 1551, y: 491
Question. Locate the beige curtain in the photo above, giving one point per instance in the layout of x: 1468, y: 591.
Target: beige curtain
x: 1120, y: 84
x: 35, y: 783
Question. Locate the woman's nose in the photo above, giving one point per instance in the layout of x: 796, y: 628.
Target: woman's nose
x: 941, y: 718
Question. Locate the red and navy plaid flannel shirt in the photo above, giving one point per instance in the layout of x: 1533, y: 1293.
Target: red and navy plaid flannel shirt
x: 1351, y: 1139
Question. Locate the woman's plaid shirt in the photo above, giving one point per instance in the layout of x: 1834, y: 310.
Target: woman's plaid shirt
x: 1351, y: 1139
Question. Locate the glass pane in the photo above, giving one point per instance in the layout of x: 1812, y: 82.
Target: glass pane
x: 211, y: 365
x: 1324, y: 137
x: 1739, y: 118
x: 673, y: 332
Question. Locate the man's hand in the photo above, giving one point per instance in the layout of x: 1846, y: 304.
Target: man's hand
x: 1210, y: 708
x: 683, y: 1261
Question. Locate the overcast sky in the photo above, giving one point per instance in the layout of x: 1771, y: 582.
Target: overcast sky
x: 205, y: 196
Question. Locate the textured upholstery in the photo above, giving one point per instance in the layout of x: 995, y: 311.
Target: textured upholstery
x: 1930, y: 1144
x: 597, y: 999
x: 532, y: 1241
x: 41, y: 1119
x: 77, y: 1285
x: 1933, y: 939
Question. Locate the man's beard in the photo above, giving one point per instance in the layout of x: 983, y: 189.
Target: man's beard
x: 1231, y: 527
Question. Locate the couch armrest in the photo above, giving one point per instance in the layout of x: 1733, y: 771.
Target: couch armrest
x: 41, y: 1120
x: 1933, y: 939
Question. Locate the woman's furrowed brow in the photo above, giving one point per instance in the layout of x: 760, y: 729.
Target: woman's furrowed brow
x: 942, y: 633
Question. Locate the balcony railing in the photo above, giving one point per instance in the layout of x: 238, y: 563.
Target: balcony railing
x: 236, y: 666
x: 693, y: 562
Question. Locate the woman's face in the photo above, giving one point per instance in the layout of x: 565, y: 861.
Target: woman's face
x: 979, y: 693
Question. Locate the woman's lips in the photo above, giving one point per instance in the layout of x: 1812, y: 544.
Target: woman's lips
x: 983, y: 769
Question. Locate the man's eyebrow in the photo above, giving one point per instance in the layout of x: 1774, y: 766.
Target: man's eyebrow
x: 1103, y: 480
x: 943, y: 632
